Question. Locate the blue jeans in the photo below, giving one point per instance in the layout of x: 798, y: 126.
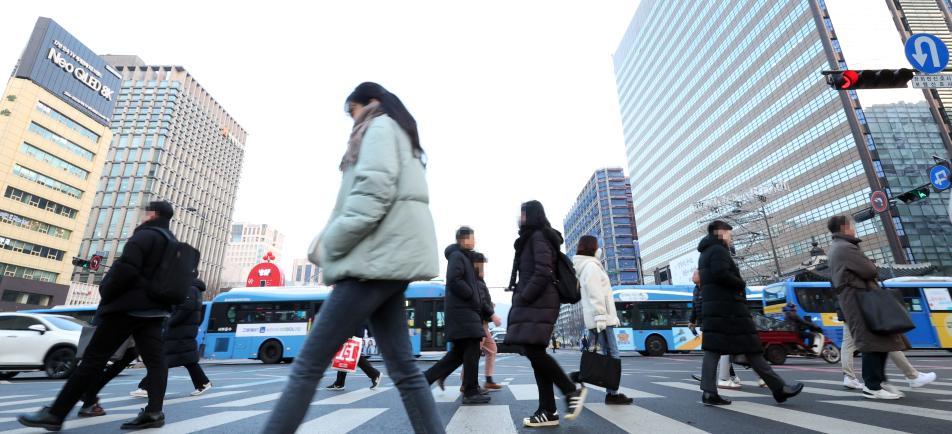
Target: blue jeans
x: 349, y: 305
x: 606, y: 340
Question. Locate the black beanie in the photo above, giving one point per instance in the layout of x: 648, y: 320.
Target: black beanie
x: 162, y: 208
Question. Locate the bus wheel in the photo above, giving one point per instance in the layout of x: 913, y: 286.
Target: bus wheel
x: 776, y: 354
x: 655, y: 346
x: 270, y: 352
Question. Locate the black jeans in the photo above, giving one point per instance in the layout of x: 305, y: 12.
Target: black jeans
x: 91, y: 396
x: 364, y: 364
x: 874, y: 370
x: 547, y: 372
x: 350, y: 304
x: 757, y: 362
x: 112, y: 331
x: 464, y: 352
x: 195, y: 372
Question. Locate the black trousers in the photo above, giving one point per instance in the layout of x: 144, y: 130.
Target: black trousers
x: 364, y: 364
x: 195, y: 372
x: 464, y: 352
x: 547, y: 373
x: 757, y: 362
x: 91, y: 396
x: 874, y: 370
x: 112, y: 331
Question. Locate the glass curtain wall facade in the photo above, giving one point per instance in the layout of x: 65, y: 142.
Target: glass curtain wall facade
x: 691, y: 139
x: 171, y: 141
x: 907, y: 136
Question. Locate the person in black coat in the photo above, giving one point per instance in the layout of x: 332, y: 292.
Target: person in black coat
x: 728, y: 326
x: 181, y: 348
x: 464, y: 323
x: 535, y: 308
x: 363, y: 363
x: 125, y: 310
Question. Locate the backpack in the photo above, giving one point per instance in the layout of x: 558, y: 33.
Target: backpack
x: 176, y: 271
x: 565, y: 280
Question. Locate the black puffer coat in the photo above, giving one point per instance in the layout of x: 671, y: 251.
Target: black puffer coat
x: 463, y: 301
x: 487, y: 310
x: 182, y: 327
x: 727, y: 322
x: 535, y: 300
x: 123, y: 288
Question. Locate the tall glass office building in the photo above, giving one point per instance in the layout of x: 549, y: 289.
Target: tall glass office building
x: 907, y: 137
x: 724, y: 97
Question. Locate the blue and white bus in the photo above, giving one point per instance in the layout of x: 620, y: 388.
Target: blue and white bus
x: 654, y: 318
x: 927, y: 299
x: 271, y: 324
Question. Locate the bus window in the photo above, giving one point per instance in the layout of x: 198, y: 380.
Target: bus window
x: 940, y: 299
x: 222, y: 318
x: 626, y: 313
x: 912, y: 299
x: 815, y: 299
x: 775, y: 294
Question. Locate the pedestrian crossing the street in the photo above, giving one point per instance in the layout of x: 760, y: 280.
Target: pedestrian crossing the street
x: 660, y: 407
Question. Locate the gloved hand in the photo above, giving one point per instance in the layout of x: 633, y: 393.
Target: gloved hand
x: 601, y: 325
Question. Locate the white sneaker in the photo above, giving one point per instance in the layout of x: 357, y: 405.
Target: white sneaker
x: 727, y: 384
x: 761, y: 382
x: 202, y: 389
x: 852, y: 383
x: 139, y: 393
x: 893, y: 389
x: 923, y: 379
x: 879, y: 394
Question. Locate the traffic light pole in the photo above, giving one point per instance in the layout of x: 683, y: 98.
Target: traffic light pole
x: 773, y: 247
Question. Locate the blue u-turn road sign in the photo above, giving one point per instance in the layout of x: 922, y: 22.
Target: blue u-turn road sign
x: 927, y: 53
x: 940, y: 177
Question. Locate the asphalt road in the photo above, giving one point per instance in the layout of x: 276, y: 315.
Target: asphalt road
x: 666, y: 400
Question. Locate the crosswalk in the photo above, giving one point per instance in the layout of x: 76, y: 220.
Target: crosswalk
x: 660, y: 406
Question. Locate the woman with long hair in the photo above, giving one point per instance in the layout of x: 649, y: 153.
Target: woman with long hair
x: 380, y: 237
x: 535, y: 308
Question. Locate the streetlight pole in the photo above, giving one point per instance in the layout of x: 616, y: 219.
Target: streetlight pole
x: 201, y: 230
x: 773, y: 248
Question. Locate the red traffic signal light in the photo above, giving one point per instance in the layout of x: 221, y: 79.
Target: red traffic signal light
x: 869, y: 79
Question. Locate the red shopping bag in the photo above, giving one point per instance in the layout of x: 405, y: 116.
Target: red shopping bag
x: 346, y: 357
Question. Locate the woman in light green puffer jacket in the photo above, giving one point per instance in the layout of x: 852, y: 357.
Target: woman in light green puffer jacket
x: 379, y: 238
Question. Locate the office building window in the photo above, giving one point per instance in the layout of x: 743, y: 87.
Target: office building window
x: 61, y: 141
x: 53, y: 160
x: 46, y: 181
x: 30, y: 249
x: 65, y: 120
x: 39, y: 202
x: 10, y: 270
x: 30, y: 298
x: 34, y: 225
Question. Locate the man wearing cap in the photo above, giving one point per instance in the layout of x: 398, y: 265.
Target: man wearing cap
x: 728, y: 326
x: 125, y: 310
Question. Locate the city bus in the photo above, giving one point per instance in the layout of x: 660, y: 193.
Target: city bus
x: 654, y: 318
x: 85, y: 313
x: 927, y: 299
x: 271, y: 323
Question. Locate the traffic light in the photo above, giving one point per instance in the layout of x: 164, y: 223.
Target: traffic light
x: 915, y: 194
x: 869, y: 79
x: 80, y: 262
x: 863, y: 215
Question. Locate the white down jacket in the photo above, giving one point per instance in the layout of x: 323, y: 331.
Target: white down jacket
x: 597, y: 302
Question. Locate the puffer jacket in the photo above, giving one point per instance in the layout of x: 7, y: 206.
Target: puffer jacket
x: 180, y: 346
x: 535, y: 300
x: 124, y: 288
x: 381, y: 227
x: 597, y: 303
x: 728, y: 325
x: 463, y: 299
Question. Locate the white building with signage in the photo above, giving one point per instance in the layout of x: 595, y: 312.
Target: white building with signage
x: 82, y: 293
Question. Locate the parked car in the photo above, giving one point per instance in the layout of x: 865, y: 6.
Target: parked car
x: 38, y: 342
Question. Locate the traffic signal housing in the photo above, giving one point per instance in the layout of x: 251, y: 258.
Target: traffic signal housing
x: 80, y: 262
x: 915, y: 194
x: 869, y: 78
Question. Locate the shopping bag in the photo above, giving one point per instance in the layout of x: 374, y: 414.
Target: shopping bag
x: 599, y: 369
x: 347, y: 356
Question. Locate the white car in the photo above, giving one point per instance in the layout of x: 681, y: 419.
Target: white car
x: 38, y: 342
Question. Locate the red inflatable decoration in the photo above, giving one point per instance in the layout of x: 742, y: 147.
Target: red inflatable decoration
x: 265, y: 273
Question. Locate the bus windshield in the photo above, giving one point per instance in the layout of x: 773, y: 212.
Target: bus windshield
x: 775, y: 294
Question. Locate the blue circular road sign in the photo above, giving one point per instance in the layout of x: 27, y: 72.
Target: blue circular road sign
x: 927, y: 53
x: 940, y: 177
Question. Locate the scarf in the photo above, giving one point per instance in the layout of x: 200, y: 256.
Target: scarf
x: 361, y: 123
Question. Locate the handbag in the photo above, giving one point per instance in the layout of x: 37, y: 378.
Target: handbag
x: 599, y: 369
x: 882, y: 313
x: 347, y: 356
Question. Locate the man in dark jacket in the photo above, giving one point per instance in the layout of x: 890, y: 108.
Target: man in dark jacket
x: 126, y: 310
x: 807, y: 329
x: 181, y: 348
x: 728, y: 326
x: 464, y: 321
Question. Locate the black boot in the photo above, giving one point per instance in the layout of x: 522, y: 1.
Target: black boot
x: 709, y: 398
x: 42, y: 419
x: 146, y: 420
x: 788, y: 392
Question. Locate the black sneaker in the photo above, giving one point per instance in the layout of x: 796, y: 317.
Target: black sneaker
x: 41, y: 419
x: 542, y: 418
x: 618, y: 399
x: 374, y: 382
x: 575, y: 402
x: 787, y: 392
x: 709, y: 398
x: 335, y: 387
x: 146, y: 420
x: 441, y: 383
x: 476, y: 399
